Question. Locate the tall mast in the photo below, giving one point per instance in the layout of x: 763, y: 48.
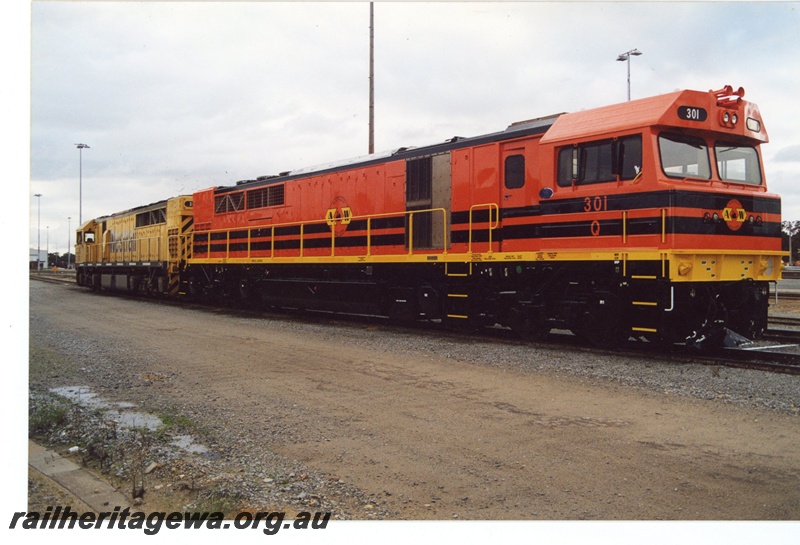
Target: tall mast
x: 371, y: 79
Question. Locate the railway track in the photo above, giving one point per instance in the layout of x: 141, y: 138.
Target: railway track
x: 54, y: 278
x: 781, y: 357
x: 768, y: 358
x: 784, y: 321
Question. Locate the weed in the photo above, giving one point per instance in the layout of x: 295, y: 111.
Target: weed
x: 218, y: 500
x: 47, y: 414
x: 177, y: 422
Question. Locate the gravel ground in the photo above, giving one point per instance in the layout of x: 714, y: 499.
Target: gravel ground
x: 667, y: 375
x: 189, y: 463
x: 235, y: 473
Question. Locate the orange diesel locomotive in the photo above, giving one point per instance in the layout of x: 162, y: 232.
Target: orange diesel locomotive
x: 648, y: 219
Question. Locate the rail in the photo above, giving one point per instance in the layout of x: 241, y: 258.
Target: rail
x: 625, y: 219
x: 494, y: 214
x: 133, y: 250
x: 138, y: 250
x: 308, y: 233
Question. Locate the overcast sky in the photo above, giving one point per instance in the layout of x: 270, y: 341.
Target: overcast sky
x: 176, y: 97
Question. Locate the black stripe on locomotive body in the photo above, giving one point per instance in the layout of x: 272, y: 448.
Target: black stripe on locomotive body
x: 636, y: 201
x: 636, y: 226
x: 546, y: 225
x: 573, y: 229
x: 310, y: 244
x: 223, y: 241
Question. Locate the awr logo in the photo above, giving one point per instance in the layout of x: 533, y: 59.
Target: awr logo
x: 339, y: 215
x: 734, y: 214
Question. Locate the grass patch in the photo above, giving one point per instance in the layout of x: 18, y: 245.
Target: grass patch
x: 47, y: 414
x: 218, y: 500
x: 173, y: 422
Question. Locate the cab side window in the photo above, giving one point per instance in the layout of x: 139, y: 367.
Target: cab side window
x: 600, y: 161
x: 630, y: 157
x: 595, y: 162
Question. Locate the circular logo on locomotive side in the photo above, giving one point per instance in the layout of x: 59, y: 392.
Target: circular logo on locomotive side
x: 734, y: 214
x: 338, y: 215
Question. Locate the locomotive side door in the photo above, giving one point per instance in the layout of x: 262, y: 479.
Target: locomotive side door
x: 514, y: 178
x: 517, y: 199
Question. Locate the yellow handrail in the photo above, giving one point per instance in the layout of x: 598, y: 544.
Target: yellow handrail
x: 492, y: 225
x: 302, y: 224
x: 130, y: 250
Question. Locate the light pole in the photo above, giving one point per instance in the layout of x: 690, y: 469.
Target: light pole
x: 47, y: 250
x: 38, y: 231
x: 371, y: 146
x: 69, y: 237
x: 626, y: 57
x: 80, y: 181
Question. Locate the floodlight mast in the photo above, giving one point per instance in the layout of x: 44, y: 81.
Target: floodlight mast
x: 80, y: 182
x: 38, y: 231
x: 371, y: 79
x: 626, y: 57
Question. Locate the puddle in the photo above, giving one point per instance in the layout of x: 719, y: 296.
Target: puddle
x: 117, y: 411
x: 83, y: 395
x: 186, y: 442
x: 134, y: 419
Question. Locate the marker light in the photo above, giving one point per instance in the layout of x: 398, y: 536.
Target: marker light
x: 753, y: 124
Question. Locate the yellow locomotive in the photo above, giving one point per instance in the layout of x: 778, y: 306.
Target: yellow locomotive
x: 139, y: 250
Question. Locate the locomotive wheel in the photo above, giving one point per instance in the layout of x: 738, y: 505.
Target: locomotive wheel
x: 747, y: 315
x: 527, y: 327
x: 601, y: 331
x: 602, y: 324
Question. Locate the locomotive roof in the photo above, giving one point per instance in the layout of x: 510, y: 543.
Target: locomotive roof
x: 522, y: 128
x: 136, y: 210
x: 647, y: 112
x: 616, y: 117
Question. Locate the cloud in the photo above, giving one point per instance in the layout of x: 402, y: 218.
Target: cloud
x: 788, y: 154
x: 174, y: 97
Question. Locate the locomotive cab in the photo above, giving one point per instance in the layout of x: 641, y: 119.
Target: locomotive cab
x: 86, y: 250
x: 82, y: 237
x: 669, y: 194
x: 85, y: 242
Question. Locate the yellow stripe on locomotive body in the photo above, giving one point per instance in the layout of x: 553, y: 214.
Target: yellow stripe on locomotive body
x: 675, y: 266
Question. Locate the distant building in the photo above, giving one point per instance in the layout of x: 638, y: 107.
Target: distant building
x: 42, y: 259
